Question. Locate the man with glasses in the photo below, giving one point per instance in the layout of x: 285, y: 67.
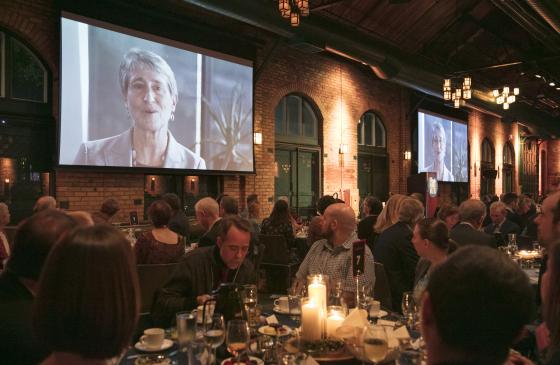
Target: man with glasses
x: 204, y: 269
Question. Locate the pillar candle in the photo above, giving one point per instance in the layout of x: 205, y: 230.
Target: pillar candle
x: 318, y: 293
x: 310, y: 320
x: 334, y: 320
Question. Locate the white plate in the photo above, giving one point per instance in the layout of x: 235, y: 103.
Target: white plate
x: 166, y: 344
x: 382, y: 314
x: 278, y: 310
x: 287, y: 331
x: 252, y: 358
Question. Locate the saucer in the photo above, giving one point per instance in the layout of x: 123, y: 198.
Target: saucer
x: 295, y: 312
x: 271, y: 331
x: 231, y: 361
x: 166, y: 344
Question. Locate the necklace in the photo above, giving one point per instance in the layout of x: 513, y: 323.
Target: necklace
x: 135, y: 163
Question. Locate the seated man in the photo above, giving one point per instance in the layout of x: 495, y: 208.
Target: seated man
x: 204, y: 269
x: 500, y: 224
x: 206, y: 211
x: 18, y: 284
x: 466, y: 232
x: 108, y: 209
x: 476, y: 305
x: 332, y: 255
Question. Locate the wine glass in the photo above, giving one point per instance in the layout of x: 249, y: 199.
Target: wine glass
x: 409, y: 307
x: 375, y: 343
x: 237, y: 337
x: 214, y: 333
x: 250, y: 303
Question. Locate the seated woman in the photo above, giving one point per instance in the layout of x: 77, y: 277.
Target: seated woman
x: 87, y: 303
x: 449, y: 213
x: 431, y: 241
x: 279, y: 222
x: 159, y: 245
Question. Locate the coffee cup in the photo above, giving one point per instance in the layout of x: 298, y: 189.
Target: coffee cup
x: 282, y: 304
x: 374, y: 308
x: 153, y: 338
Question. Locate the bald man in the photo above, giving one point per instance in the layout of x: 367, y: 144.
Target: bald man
x: 332, y: 255
x: 44, y: 203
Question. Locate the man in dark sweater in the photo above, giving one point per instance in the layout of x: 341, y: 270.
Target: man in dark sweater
x: 204, y: 269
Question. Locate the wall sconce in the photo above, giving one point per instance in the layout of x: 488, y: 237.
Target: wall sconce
x: 474, y: 169
x: 7, y: 180
x: 193, y: 184
x: 257, y: 138
x: 343, y: 149
x: 7, y: 186
x: 153, y: 184
x: 407, y: 155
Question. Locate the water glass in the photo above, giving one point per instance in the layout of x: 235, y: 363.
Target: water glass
x: 536, y: 246
x: 214, y: 333
x: 409, y: 308
x: 186, y: 328
x: 198, y: 352
x: 250, y: 299
x: 375, y: 343
x: 237, y: 337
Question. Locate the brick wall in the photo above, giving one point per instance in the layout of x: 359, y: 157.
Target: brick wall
x: 553, y: 161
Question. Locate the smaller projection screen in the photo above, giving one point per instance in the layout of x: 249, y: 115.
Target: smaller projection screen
x: 442, y: 147
x: 132, y: 100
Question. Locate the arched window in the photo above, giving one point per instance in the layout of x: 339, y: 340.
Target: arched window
x: 296, y: 121
x: 297, y: 155
x: 487, y: 168
x: 373, y: 171
x: 508, y: 164
x: 371, y: 131
x: 27, y: 137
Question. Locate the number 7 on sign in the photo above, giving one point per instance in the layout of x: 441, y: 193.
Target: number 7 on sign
x: 358, y: 251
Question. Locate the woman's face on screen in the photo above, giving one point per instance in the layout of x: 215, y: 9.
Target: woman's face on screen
x: 149, y: 100
x: 438, y: 143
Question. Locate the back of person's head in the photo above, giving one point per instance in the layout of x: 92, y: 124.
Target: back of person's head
x: 479, y: 300
x: 88, y: 297
x: 390, y: 213
x: 4, y: 214
x: 44, y: 203
x: 110, y: 207
x: 410, y: 211
x: 233, y: 221
x: 253, y: 209
x: 159, y: 213
x: 418, y: 196
x: 229, y: 205
x: 435, y: 230
x: 472, y: 210
x: 173, y: 201
x: 324, y: 202
x: 374, y: 205
x: 207, y: 206
x: 280, y: 212
x: 251, y: 198
x: 34, y: 239
x: 509, y: 198
x: 447, y: 211
x: 551, y: 294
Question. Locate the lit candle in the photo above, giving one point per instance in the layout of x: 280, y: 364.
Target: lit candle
x: 334, y: 320
x: 318, y: 293
x: 310, y: 320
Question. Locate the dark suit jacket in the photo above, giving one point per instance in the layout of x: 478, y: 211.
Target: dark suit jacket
x: 506, y: 228
x: 17, y: 344
x: 209, y: 238
x: 395, y: 251
x: 179, y: 223
x: 464, y: 235
x: 515, y: 218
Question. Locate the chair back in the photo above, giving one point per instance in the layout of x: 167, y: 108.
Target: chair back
x: 382, y: 290
x: 276, y: 249
x: 151, y: 278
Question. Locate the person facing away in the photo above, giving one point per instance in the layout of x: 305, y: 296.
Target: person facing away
x: 332, y: 255
x: 108, y: 209
x: 467, y: 232
x: 88, y: 298
x: 159, y: 245
x: 476, y: 304
x: 395, y: 251
x: 279, y: 223
x: 314, y: 232
x: 207, y: 212
x: 44, y: 203
x: 178, y: 223
x: 204, y: 269
x: 33, y: 241
x: 371, y: 208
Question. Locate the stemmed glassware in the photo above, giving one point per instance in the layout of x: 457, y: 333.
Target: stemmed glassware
x: 237, y: 337
x: 214, y: 333
x: 375, y: 343
x: 409, y: 308
x: 250, y: 303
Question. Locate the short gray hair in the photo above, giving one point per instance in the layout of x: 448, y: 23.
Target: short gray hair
x: 438, y: 128
x: 136, y: 57
x: 498, y: 206
x: 472, y: 210
x: 207, y: 205
x: 411, y: 211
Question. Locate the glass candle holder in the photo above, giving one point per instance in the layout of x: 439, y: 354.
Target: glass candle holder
x: 335, y: 317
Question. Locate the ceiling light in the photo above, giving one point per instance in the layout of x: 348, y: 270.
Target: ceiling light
x: 538, y: 76
x: 506, y: 96
x: 456, y: 90
x: 293, y: 9
x: 552, y: 83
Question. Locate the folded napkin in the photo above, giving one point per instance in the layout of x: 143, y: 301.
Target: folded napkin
x: 395, y: 335
x: 271, y: 320
x: 386, y: 323
x: 356, y: 318
x: 308, y: 361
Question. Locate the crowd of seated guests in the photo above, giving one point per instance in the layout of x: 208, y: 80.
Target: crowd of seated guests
x: 159, y: 245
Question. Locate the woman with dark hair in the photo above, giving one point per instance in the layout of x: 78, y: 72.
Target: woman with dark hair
x: 449, y: 213
x: 431, y: 241
x: 279, y: 222
x: 159, y: 245
x: 87, y: 303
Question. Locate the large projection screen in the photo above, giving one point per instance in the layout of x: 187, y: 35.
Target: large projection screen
x: 132, y: 100
x: 442, y: 147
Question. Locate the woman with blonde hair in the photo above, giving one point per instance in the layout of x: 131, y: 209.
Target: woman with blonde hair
x: 390, y: 213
